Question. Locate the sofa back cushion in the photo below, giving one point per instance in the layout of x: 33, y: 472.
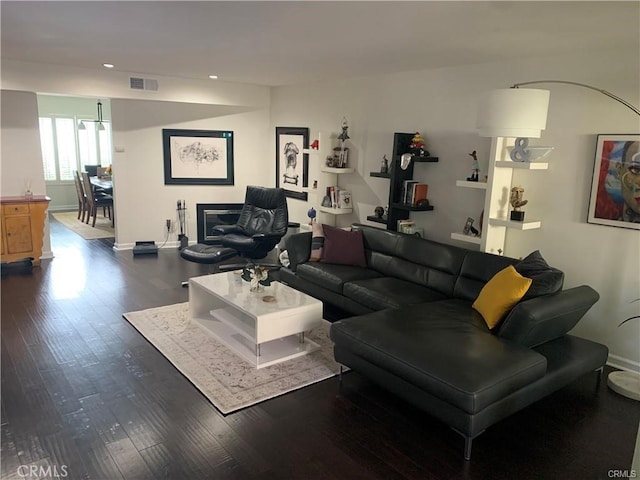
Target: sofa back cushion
x: 477, y: 269
x: 408, y: 257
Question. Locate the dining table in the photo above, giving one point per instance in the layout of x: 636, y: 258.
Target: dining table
x: 104, y: 184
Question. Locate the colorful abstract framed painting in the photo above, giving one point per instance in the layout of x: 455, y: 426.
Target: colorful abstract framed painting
x: 198, y: 157
x: 615, y: 189
x: 292, y: 162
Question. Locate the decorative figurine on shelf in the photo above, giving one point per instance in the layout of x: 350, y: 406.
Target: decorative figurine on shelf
x: 405, y: 160
x: 344, y: 135
x: 519, y: 152
x: 379, y: 211
x: 417, y: 146
x: 311, y: 213
x: 517, y: 202
x: 475, y: 168
x: 315, y: 145
x: 341, y: 153
x: 384, y: 166
x: 315, y: 184
x: 469, y: 229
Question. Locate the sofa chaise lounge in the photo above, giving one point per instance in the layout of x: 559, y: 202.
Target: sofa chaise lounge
x: 415, y: 330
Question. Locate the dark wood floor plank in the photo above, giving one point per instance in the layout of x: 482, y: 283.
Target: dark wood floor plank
x: 163, y: 463
x: 82, y: 388
x: 96, y: 458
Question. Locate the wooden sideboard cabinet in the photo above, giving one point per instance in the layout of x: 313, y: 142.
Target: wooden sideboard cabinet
x: 22, y: 224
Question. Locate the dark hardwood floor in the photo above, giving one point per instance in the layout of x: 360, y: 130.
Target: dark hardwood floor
x: 84, y: 396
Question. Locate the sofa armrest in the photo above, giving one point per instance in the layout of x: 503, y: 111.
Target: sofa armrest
x: 226, y: 229
x: 299, y: 249
x: 536, y: 321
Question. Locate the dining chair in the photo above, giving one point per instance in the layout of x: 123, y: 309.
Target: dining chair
x: 96, y: 200
x: 82, y: 198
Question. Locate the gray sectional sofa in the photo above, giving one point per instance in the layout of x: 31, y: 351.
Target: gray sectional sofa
x: 415, y: 333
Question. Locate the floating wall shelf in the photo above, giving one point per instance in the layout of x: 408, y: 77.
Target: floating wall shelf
x: 522, y: 165
x: 467, y: 184
x: 466, y: 238
x: 515, y: 225
x: 336, y: 211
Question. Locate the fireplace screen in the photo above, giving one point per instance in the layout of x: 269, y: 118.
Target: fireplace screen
x: 212, y: 214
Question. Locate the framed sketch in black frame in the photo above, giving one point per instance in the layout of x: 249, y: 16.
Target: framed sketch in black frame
x: 292, y: 162
x: 198, y: 157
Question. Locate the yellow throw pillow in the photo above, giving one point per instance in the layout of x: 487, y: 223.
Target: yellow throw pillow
x: 500, y: 294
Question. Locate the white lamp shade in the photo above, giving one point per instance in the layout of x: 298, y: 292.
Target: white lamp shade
x: 513, y: 112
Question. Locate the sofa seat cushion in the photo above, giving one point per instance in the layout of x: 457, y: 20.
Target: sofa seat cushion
x: 331, y: 276
x: 388, y: 292
x: 444, y: 350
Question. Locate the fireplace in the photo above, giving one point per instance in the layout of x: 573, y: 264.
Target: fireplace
x: 213, y: 214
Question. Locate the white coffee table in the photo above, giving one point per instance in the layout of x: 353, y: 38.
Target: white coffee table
x: 262, y: 333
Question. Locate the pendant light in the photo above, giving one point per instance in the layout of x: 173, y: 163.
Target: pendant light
x: 81, y: 125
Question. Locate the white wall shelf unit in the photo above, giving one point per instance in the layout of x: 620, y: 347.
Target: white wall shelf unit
x: 330, y: 176
x: 496, y: 206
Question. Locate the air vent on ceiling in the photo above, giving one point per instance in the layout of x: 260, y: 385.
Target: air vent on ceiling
x: 136, y: 83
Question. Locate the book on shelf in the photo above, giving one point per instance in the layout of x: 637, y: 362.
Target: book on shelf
x: 340, y: 157
x: 338, y: 197
x: 404, y: 225
x: 419, y: 193
x: 407, y: 190
x: 344, y: 199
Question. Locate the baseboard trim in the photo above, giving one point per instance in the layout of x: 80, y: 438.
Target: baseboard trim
x: 623, y: 363
x: 63, y: 208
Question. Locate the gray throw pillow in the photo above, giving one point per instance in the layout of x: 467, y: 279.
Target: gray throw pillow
x: 546, y: 279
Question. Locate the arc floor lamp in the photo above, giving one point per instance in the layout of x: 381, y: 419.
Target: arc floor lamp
x: 522, y: 112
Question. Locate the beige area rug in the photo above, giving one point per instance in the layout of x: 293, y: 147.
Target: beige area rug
x: 229, y: 382
x: 103, y: 228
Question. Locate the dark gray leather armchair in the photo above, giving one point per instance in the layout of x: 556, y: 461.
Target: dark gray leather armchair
x: 262, y: 224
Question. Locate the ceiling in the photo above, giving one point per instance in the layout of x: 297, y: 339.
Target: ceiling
x: 285, y: 43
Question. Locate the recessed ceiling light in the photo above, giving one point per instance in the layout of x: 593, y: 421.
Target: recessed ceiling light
x: 213, y: 77
x: 107, y: 65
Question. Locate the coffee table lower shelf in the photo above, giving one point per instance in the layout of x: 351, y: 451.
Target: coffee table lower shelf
x: 240, y: 342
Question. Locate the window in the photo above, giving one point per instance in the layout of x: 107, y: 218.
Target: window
x: 66, y: 148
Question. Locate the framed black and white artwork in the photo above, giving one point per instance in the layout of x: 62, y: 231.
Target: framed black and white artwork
x: 198, y: 157
x: 292, y: 162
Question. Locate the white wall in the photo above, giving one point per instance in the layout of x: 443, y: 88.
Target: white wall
x: 142, y: 201
x: 440, y: 103
x: 21, y: 160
